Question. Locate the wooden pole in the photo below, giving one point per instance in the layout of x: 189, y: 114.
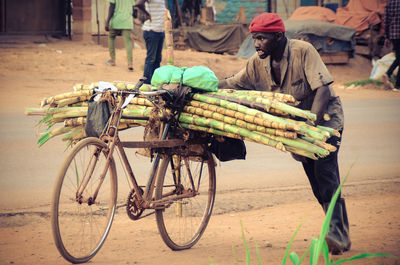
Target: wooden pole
x: 178, y: 9
x: 98, y: 23
x: 169, y: 41
x: 273, y: 6
x: 241, y: 16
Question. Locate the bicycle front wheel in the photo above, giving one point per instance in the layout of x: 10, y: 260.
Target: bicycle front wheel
x: 181, y: 222
x: 80, y: 222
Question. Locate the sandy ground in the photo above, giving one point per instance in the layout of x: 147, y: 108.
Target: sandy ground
x: 31, y: 69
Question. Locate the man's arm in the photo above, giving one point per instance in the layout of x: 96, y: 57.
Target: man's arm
x: 110, y: 15
x: 241, y: 80
x: 140, y: 5
x: 222, y: 84
x: 320, y: 103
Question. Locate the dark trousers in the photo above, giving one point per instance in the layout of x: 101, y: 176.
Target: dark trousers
x: 323, y: 173
x: 396, y: 62
x: 154, y: 44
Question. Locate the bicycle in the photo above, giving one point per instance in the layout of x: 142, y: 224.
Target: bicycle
x: 180, y: 189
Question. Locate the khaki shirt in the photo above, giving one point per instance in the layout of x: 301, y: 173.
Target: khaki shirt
x: 302, y: 72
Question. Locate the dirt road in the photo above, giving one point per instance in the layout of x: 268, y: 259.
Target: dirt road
x: 268, y: 191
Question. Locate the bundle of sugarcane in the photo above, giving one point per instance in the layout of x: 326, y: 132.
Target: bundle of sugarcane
x: 262, y: 117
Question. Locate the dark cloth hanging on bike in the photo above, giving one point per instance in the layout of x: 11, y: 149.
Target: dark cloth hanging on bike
x: 229, y: 149
x: 97, y: 117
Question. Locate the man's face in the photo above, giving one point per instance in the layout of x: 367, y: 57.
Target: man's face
x: 264, y: 43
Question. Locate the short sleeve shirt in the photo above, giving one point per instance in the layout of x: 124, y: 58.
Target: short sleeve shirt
x: 302, y: 72
x: 156, y: 8
x: 122, y: 18
x: 392, y: 19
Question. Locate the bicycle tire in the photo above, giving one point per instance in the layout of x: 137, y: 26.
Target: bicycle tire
x: 80, y: 229
x: 182, y: 223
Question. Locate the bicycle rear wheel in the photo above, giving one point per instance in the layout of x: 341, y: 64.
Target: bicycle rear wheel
x: 79, y: 224
x: 183, y: 221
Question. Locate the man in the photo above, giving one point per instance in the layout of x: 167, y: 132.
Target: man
x: 120, y: 21
x: 153, y: 34
x: 295, y: 67
x: 392, y: 33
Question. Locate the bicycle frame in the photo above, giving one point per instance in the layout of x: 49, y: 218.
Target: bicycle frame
x: 110, y: 136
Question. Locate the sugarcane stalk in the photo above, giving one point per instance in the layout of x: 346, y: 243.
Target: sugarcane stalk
x: 79, y: 87
x: 76, y: 133
x: 301, y: 152
x: 266, y: 104
x: 238, y: 122
x: 69, y: 101
x: 259, y: 100
x: 265, y: 94
x: 76, y: 112
x: 133, y: 122
x: 50, y: 100
x: 274, y: 122
x: 141, y: 101
x: 80, y: 104
x: 209, y: 130
x: 331, y: 131
x: 74, y: 122
x: 46, y: 111
x: 319, y: 143
x: 301, y: 144
x: 193, y: 119
x: 129, y: 85
x: 235, y: 114
x: 128, y: 112
x: 48, y: 135
x: 312, y: 132
x: 312, y: 128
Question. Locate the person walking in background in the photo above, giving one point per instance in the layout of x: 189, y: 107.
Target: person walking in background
x: 392, y: 33
x: 120, y: 22
x: 294, y: 67
x: 153, y: 34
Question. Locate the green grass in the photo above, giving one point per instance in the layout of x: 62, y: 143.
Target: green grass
x: 364, y: 82
x: 318, y: 246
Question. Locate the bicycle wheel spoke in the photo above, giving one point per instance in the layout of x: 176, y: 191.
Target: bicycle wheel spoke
x: 182, y: 223
x: 80, y: 225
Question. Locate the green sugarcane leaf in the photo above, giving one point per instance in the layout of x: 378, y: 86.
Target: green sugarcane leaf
x: 290, y: 244
x: 305, y: 254
x: 294, y: 258
x: 46, y: 136
x: 314, y: 242
x: 258, y: 255
x: 325, y: 253
x: 245, y: 245
x: 235, y: 255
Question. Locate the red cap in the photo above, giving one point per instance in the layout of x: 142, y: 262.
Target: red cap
x: 267, y: 22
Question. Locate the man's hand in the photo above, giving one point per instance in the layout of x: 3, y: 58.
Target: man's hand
x: 110, y: 15
x: 320, y: 103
